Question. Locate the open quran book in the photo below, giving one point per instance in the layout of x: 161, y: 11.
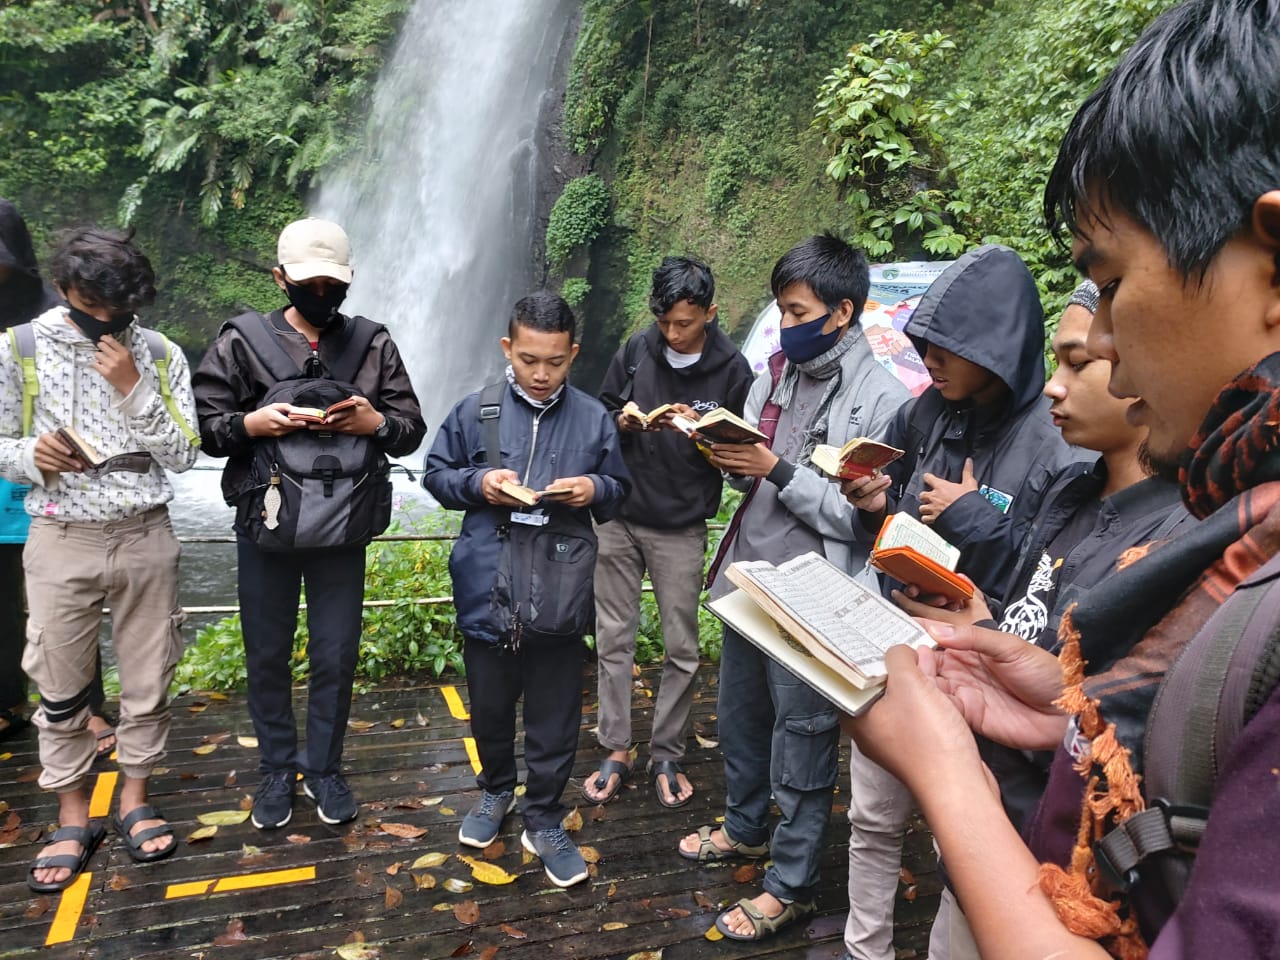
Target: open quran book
x: 819, y: 623
x: 98, y: 465
x: 912, y: 552
x: 720, y: 425
x: 649, y: 419
x: 530, y: 497
x: 860, y: 457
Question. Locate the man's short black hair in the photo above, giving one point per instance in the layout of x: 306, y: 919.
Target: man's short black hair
x: 1182, y: 137
x: 105, y: 268
x: 832, y: 268
x: 543, y: 311
x: 678, y: 279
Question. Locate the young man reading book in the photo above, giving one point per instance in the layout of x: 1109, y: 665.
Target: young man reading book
x: 686, y: 363
x: 1091, y: 516
x: 548, y: 434
x: 829, y: 389
x: 1180, y: 230
x: 103, y: 540
x: 981, y: 450
x: 309, y: 334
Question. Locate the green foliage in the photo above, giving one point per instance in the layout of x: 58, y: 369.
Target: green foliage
x: 575, y: 290
x: 882, y: 133
x: 406, y: 637
x: 577, y: 218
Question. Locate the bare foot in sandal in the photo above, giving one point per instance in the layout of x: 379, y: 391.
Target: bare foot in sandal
x: 738, y: 922
x: 683, y: 791
x: 104, y: 733
x: 615, y: 763
x: 692, y: 843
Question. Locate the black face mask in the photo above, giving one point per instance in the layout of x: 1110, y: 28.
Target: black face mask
x: 318, y: 309
x: 96, y: 329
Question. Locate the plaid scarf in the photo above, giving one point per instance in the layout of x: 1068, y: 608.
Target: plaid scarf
x: 1137, y: 622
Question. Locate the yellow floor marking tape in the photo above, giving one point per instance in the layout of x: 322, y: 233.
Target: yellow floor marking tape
x: 70, y: 906
x: 456, y: 709
x: 470, y: 744
x: 246, y: 881
x: 103, y: 789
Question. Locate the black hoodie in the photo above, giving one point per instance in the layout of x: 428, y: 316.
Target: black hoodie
x: 22, y: 295
x: 674, y: 486
x: 986, y: 309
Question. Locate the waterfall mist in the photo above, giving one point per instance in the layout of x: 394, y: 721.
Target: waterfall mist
x: 441, y: 203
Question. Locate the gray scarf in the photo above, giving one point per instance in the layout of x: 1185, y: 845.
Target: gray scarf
x: 825, y: 366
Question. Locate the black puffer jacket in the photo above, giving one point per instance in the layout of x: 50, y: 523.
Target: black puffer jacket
x: 22, y: 295
x: 674, y: 486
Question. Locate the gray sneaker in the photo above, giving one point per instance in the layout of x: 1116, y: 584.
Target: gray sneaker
x: 480, y: 827
x: 560, y: 857
x: 273, y: 801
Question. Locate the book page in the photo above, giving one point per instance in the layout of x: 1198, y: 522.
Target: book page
x: 904, y: 530
x: 518, y: 492
x: 852, y: 621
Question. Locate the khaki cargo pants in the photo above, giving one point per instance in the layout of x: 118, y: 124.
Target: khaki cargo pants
x: 72, y: 569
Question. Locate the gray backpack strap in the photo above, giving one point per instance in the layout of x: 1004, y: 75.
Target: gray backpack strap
x: 252, y: 326
x: 1219, y: 681
x: 632, y: 354
x: 490, y: 418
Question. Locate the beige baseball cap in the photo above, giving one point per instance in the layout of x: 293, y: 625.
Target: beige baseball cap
x: 314, y: 248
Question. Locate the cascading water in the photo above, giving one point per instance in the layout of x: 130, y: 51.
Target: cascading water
x: 441, y: 202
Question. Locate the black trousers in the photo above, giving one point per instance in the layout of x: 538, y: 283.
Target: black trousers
x: 268, y: 587
x: 13, y: 628
x: 549, y: 675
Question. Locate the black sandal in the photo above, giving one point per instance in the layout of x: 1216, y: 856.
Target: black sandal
x: 607, y: 769
x: 88, y: 837
x: 671, y: 770
x: 133, y: 842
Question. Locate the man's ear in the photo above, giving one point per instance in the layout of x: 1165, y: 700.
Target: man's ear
x: 1266, y: 231
x: 573, y: 351
x: 278, y: 276
x: 843, y: 313
x: 506, y: 347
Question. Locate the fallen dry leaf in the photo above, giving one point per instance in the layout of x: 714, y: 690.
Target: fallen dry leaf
x: 437, y: 768
x: 397, y: 723
x: 614, y: 925
x: 246, y: 803
x: 488, y: 953
x: 573, y: 820
x: 405, y: 831
x: 223, y: 818
x: 392, y: 897
x: 37, y: 908
x: 673, y: 913
x: 204, y: 749
x: 706, y: 744
x: 703, y: 901
x: 364, y: 875
x: 220, y: 737
x: 249, y: 854
x: 359, y: 951
x: 393, y: 869
x: 462, y: 949
x: 613, y: 889
x: 357, y: 936
x: 198, y: 707
x: 447, y: 811
x: 4, y: 806
x: 489, y: 873
x: 202, y: 833
x: 648, y: 954
x: 118, y: 883
x: 216, y: 695
x: 361, y: 725
x: 590, y: 854
x: 235, y: 934
x: 231, y: 779
x: 454, y: 885
x: 251, y: 742
x: 494, y: 850
x: 468, y: 911
x: 433, y: 859
x: 441, y: 907
x: 432, y: 801
x: 714, y: 934
x: 747, y: 873
x: 513, y: 932
x: 298, y: 838
x: 423, y: 881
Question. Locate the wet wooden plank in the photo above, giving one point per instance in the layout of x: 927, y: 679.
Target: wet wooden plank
x: 412, y: 767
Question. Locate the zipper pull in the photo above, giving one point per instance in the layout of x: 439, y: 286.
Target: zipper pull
x: 271, y: 500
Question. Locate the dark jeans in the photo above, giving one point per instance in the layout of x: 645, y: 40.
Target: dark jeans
x: 549, y: 674
x: 13, y: 628
x: 778, y: 736
x: 268, y: 587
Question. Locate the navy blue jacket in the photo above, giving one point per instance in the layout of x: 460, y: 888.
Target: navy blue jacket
x: 575, y: 437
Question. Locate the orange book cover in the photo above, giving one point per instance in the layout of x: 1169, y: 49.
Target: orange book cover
x: 909, y: 565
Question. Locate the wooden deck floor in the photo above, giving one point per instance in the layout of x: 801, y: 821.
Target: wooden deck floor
x: 306, y: 890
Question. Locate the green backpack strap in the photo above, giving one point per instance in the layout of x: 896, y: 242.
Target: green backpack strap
x: 22, y: 340
x: 158, y: 345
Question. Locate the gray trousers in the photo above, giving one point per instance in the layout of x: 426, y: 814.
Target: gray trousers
x: 72, y: 569
x: 674, y: 560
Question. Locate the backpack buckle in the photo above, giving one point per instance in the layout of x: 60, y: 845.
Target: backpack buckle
x: 490, y: 411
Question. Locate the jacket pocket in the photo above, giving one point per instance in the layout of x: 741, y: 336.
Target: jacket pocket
x: 811, y: 755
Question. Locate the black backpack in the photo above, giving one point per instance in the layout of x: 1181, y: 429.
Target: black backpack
x: 312, y: 489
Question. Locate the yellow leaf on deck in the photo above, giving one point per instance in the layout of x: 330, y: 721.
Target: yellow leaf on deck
x: 359, y: 951
x: 223, y: 818
x: 590, y: 854
x: 361, y: 725
x: 489, y: 873
x: 614, y: 925
x: 251, y: 742
x: 572, y: 821
x: 429, y: 860
x: 441, y: 907
x: 423, y: 881
x: 397, y: 723
x: 714, y: 934
x: 446, y: 811
x: 202, y: 833
x: 204, y: 749
x: 647, y: 955
x: 215, y: 695
x: 432, y: 801
x: 704, y: 743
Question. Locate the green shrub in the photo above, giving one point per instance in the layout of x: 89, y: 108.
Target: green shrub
x: 578, y: 216
x: 575, y: 290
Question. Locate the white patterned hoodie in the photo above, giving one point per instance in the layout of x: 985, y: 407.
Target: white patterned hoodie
x: 73, y: 394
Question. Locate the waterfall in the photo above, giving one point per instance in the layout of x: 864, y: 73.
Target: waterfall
x: 441, y: 203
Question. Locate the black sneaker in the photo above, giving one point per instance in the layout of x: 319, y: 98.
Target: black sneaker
x: 273, y: 803
x: 480, y: 827
x: 334, y: 802
x: 560, y: 858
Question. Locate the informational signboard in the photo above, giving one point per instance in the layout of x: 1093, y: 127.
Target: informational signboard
x: 896, y: 288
